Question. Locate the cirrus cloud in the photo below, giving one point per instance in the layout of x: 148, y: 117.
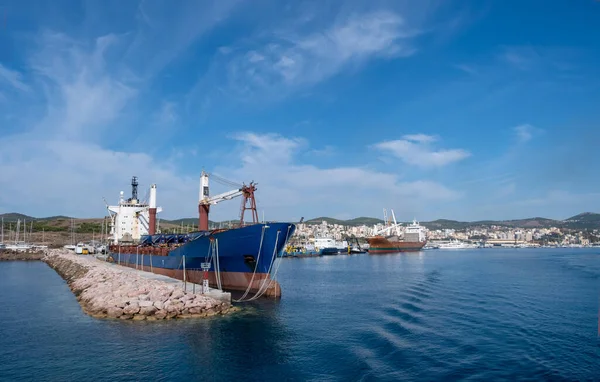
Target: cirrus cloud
x: 416, y: 149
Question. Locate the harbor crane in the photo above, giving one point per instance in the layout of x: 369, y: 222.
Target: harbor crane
x: 388, y: 222
x: 205, y: 200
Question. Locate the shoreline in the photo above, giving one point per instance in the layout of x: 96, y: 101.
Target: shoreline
x: 105, y: 291
x: 10, y: 255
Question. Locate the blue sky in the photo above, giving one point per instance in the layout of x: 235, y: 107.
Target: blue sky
x: 437, y: 109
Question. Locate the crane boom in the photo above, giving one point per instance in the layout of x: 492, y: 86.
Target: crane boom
x: 221, y: 197
x: 205, y: 201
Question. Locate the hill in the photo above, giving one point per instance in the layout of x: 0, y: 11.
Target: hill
x: 445, y: 224
x: 183, y: 221
x: 586, y: 220
x: 14, y: 216
x: 364, y: 220
x: 583, y: 220
x: 351, y: 222
x: 59, y: 217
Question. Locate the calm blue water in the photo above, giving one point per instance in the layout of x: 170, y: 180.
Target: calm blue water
x: 488, y: 314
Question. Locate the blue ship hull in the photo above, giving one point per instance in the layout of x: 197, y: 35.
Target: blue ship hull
x: 245, y: 254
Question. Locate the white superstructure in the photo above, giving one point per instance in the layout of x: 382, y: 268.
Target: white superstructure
x: 328, y: 242
x: 415, y: 232
x: 130, y: 219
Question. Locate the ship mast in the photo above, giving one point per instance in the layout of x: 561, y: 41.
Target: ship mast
x: 134, y: 189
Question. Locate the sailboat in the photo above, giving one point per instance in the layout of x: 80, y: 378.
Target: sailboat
x: 20, y: 246
x: 71, y: 246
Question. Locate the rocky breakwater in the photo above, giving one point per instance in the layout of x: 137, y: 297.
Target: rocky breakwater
x: 105, y: 290
x: 10, y: 255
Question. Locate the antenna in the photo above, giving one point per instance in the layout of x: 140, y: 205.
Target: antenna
x: 134, y: 186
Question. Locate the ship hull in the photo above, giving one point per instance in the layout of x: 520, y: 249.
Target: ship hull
x: 381, y: 245
x: 246, y: 257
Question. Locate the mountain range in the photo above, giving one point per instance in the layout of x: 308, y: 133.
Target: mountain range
x: 586, y: 220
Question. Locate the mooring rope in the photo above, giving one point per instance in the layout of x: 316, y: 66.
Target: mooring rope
x: 218, y: 266
x: 262, y: 236
x: 262, y: 291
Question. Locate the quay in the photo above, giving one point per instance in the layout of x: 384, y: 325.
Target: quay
x: 110, y: 291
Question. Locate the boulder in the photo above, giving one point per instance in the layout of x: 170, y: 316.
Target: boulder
x: 177, y: 294
x: 114, y: 312
x: 147, y: 310
x: 131, y: 309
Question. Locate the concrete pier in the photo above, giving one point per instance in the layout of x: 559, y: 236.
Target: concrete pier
x: 112, y: 291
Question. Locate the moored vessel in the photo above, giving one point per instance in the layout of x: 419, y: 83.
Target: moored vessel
x: 241, y: 258
x: 390, y: 239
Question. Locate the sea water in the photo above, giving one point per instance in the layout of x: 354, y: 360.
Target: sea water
x: 481, y: 314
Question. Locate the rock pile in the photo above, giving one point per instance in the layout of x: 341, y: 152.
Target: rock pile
x: 106, y: 291
x: 9, y: 255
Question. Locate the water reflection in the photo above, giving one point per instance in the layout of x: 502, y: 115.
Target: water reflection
x: 253, y: 342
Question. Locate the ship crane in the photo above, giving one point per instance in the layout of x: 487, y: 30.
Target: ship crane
x: 205, y: 200
x: 389, y: 226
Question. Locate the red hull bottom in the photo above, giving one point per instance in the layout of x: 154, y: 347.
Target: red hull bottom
x: 380, y: 245
x: 237, y: 281
x: 384, y: 251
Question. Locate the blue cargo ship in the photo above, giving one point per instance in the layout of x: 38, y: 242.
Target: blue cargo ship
x: 243, y: 258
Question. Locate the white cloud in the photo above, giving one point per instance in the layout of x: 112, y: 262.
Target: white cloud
x: 165, y: 31
x: 526, y: 132
x: 416, y: 150
x: 288, y: 188
x: 469, y: 69
x: 12, y: 78
x: 420, y: 138
x: 57, y: 165
x: 291, y: 60
x: 167, y: 114
x: 82, y: 96
x: 71, y: 177
x: 506, y: 189
x: 326, y: 151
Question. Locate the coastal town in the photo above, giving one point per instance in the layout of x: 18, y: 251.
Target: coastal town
x: 492, y: 234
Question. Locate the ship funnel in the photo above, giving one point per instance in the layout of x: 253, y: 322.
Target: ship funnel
x: 153, y: 196
x: 152, y: 210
